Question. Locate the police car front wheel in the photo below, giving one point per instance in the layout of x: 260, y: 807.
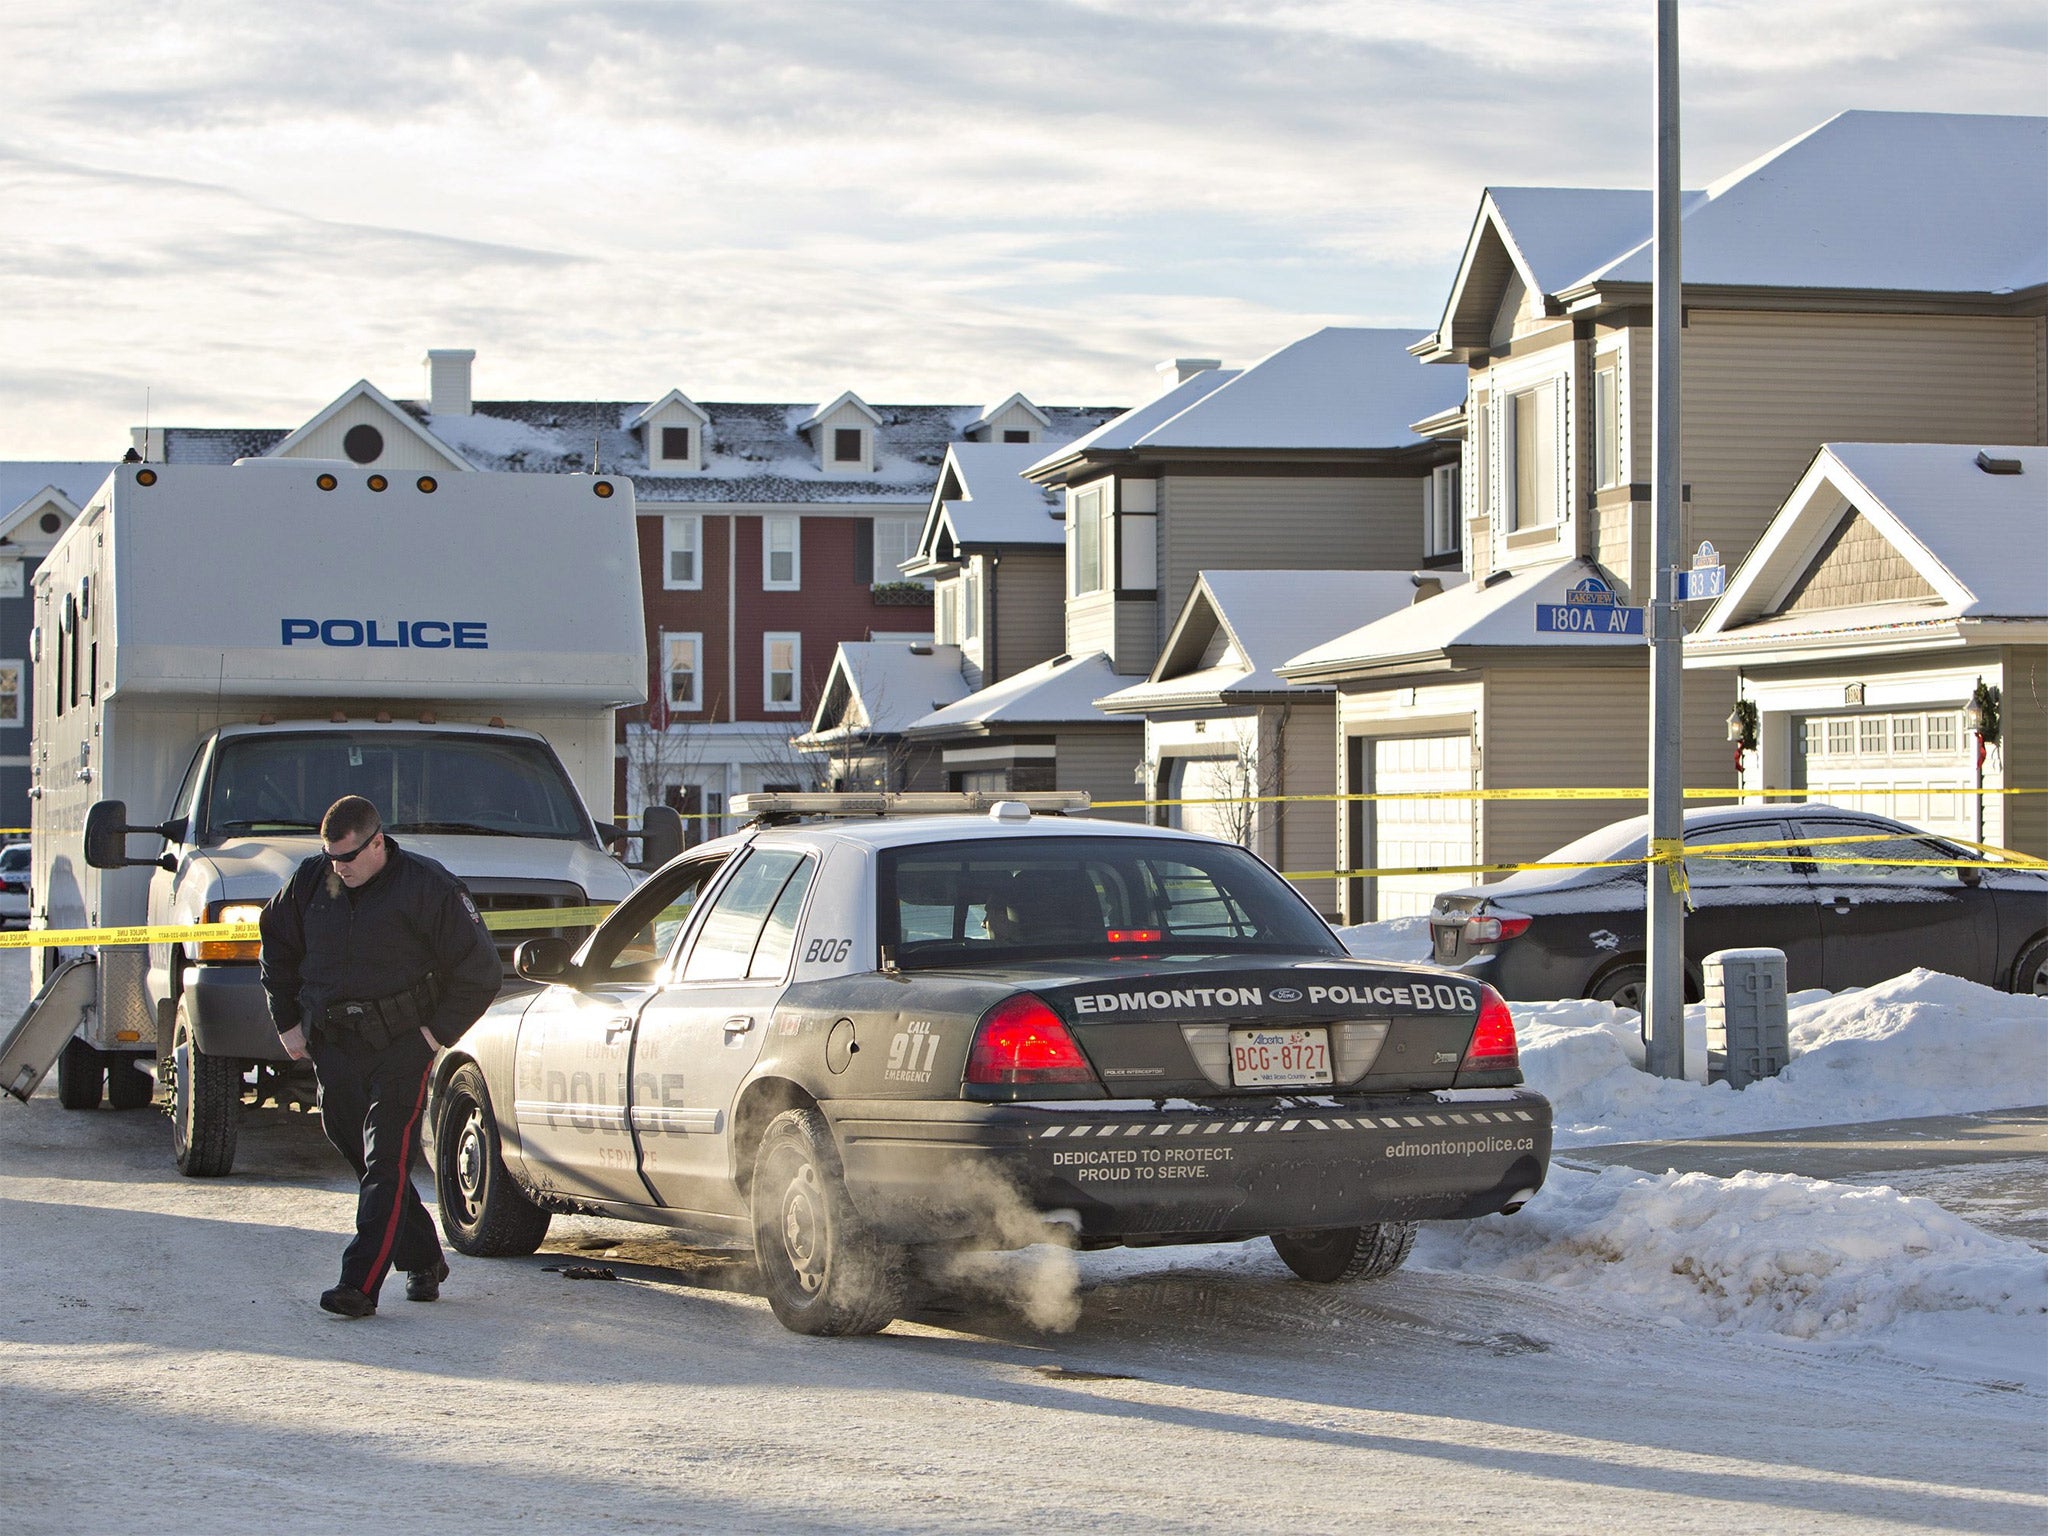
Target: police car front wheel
x: 823, y: 1270
x: 483, y: 1212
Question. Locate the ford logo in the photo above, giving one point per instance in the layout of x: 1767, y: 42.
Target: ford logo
x: 1284, y: 995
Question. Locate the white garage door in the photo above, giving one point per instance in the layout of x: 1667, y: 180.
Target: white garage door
x: 1917, y: 765
x: 1210, y: 778
x: 1407, y: 833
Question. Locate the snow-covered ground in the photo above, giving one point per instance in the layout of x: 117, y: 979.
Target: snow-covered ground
x: 1636, y: 1349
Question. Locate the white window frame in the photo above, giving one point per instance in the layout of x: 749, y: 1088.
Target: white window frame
x: 769, y: 527
x: 1481, y: 450
x: 769, y: 669
x: 17, y: 700
x: 657, y: 455
x: 682, y: 533
x: 1087, y: 507
x: 832, y: 458
x: 1610, y: 447
x: 1443, y: 511
x: 1549, y: 468
x: 695, y: 640
x: 970, y: 606
x: 906, y: 532
x: 946, y: 626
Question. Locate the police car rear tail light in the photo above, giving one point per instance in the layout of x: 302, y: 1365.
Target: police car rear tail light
x: 1021, y: 1040
x: 1493, y: 1047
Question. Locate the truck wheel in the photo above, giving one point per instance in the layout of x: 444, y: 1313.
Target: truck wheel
x: 131, y: 1082
x: 824, y: 1271
x: 483, y: 1211
x: 81, y: 1074
x: 206, y: 1104
x: 1347, y: 1253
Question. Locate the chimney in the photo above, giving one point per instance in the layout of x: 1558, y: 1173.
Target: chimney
x: 448, y: 381
x: 1426, y: 586
x: 1178, y: 370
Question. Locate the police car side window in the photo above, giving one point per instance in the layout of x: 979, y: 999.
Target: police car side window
x: 740, y: 920
x: 632, y: 947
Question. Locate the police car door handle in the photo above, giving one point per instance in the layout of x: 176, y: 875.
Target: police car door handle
x: 613, y: 1028
x: 739, y: 1024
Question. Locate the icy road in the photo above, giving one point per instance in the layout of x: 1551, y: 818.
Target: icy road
x: 165, y: 1369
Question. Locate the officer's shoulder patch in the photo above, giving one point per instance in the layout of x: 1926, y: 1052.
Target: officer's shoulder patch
x: 469, y: 906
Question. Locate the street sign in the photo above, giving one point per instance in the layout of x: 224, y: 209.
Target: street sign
x: 1590, y: 608
x: 1707, y: 578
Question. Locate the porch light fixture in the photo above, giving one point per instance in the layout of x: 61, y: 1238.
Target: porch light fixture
x: 1981, y: 714
x: 1742, y: 729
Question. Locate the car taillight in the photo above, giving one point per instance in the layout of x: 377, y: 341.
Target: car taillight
x: 1491, y: 930
x: 1493, y: 1047
x: 1021, y: 1040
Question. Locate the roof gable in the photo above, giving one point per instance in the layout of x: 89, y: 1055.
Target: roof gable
x: 882, y: 686
x: 303, y: 442
x: 846, y: 401
x: 673, y: 403
x: 988, y: 418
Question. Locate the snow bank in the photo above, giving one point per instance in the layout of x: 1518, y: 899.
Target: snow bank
x: 1398, y: 938
x: 1757, y: 1253
x: 1920, y: 1044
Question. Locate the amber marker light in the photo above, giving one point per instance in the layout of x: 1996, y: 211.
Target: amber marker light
x: 379, y: 483
x: 326, y: 482
x: 602, y: 490
x: 428, y: 484
x: 145, y: 477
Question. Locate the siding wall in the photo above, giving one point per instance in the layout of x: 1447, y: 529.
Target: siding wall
x: 1856, y: 565
x: 1305, y: 836
x: 2025, y: 748
x: 1091, y: 624
x: 1135, y: 644
x: 1100, y: 759
x: 1029, y: 616
x: 1224, y: 522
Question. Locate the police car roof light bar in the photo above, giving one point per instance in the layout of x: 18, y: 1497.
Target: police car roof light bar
x: 967, y: 802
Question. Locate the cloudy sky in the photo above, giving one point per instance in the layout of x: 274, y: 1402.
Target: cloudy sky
x: 232, y: 211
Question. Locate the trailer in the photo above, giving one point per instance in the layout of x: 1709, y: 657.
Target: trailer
x: 221, y: 652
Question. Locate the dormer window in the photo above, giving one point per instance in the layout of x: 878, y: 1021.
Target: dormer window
x: 673, y: 428
x: 849, y: 446
x: 675, y: 444
x: 1017, y: 435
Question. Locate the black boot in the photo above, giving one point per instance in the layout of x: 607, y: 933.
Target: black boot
x: 425, y: 1284
x: 346, y: 1301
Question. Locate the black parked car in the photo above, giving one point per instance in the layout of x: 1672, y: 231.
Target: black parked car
x: 1579, y: 933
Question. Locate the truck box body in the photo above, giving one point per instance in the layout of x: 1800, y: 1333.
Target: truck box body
x: 192, y: 609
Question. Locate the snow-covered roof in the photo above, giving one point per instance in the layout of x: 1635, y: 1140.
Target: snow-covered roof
x: 1498, y: 612
x: 1061, y: 691
x: 1266, y: 617
x: 1341, y: 387
x: 888, y: 685
x: 1129, y: 428
x: 983, y: 499
x: 1979, y: 540
x: 846, y: 397
x: 1923, y: 202
x: 988, y: 416
x: 75, y: 479
x: 1558, y: 234
x: 673, y: 397
x: 753, y: 452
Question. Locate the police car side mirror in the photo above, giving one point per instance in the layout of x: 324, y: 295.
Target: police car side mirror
x: 661, y: 835
x: 106, y: 838
x: 544, y: 959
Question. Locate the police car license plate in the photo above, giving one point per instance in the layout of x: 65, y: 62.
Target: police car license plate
x: 1279, y: 1058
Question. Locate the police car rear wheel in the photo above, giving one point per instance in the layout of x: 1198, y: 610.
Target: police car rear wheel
x: 1347, y: 1253
x: 206, y: 1103
x: 81, y: 1074
x: 823, y: 1270
x: 483, y: 1211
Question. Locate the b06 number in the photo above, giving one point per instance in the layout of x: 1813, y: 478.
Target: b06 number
x: 827, y: 951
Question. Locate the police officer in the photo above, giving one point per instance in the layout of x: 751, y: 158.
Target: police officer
x: 374, y: 958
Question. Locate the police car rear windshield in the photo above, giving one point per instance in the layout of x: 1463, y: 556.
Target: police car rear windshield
x: 420, y: 781
x: 978, y: 902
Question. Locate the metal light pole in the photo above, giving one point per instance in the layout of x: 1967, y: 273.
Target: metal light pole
x: 1664, y: 993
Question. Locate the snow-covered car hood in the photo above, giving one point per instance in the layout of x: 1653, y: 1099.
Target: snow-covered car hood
x: 253, y: 868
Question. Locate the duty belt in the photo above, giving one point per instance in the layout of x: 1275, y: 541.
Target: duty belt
x: 376, y: 1022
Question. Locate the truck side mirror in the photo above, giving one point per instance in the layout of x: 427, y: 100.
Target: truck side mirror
x: 661, y: 836
x: 106, y: 837
x: 544, y: 959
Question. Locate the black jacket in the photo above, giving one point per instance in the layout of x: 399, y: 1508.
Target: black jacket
x: 325, y: 944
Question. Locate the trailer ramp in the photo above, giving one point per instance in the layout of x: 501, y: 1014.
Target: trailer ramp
x: 52, y: 1017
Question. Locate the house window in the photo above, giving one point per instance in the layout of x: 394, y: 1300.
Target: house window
x: 1016, y: 434
x: 1607, y: 424
x: 675, y: 444
x: 1442, y: 510
x: 10, y: 693
x: 1481, y: 450
x: 781, y: 655
x: 895, y: 542
x: 1534, y: 442
x: 947, y: 629
x: 847, y: 447
x: 970, y: 605
x: 1087, y: 513
x: 682, y: 671
x: 781, y: 571
x: 682, y: 536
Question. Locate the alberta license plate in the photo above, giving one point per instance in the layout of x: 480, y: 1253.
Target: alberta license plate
x: 1446, y: 942
x: 1279, y: 1058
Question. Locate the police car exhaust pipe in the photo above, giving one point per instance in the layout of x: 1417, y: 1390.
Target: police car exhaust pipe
x: 1517, y: 1200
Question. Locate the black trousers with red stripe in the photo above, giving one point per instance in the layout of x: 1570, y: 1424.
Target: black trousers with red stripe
x: 370, y: 1106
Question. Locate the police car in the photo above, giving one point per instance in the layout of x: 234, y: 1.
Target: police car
x: 852, y: 1032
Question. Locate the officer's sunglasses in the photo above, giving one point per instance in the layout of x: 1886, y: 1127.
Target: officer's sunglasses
x: 353, y: 853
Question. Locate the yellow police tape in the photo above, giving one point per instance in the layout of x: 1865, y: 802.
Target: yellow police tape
x: 1731, y: 794
x: 248, y: 933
